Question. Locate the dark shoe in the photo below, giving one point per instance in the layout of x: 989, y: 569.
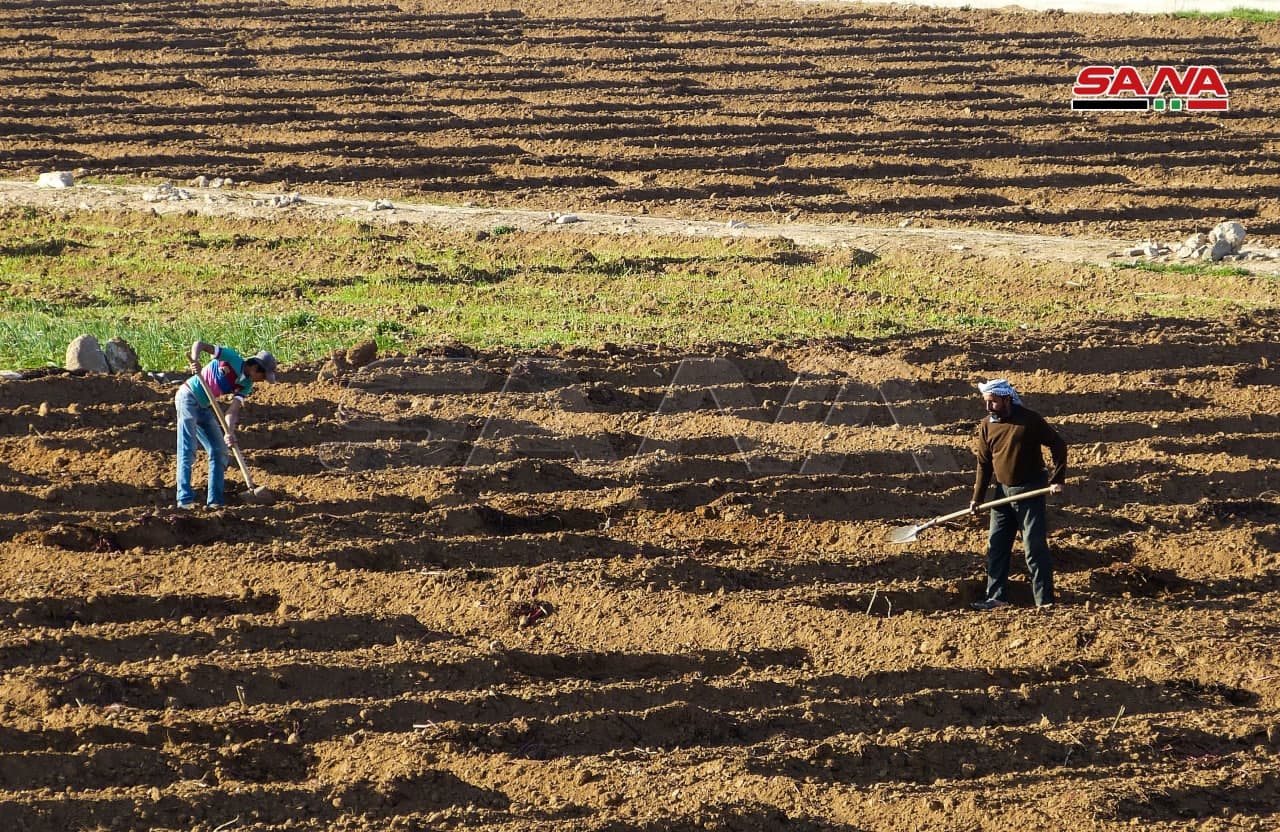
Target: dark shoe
x: 186, y: 506
x: 988, y: 605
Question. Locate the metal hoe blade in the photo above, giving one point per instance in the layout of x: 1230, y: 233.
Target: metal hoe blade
x: 904, y: 534
x: 259, y: 496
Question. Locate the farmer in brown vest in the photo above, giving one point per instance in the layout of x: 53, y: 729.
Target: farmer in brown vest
x: 1008, y: 445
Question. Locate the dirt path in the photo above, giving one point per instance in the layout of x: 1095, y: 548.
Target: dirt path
x: 233, y: 202
x: 327, y: 208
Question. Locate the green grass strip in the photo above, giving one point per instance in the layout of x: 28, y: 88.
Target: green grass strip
x: 302, y: 288
x: 1238, y: 13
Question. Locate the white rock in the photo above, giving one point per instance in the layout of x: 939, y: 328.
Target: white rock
x: 906, y: 223
x: 166, y: 192
x: 1221, y: 248
x: 381, y: 205
x: 200, y: 181
x: 56, y: 179
x: 1196, y: 240
x: 1184, y: 252
x: 121, y: 358
x: 1231, y: 232
x: 84, y: 353
x: 285, y: 200
x: 566, y: 219
x: 735, y: 224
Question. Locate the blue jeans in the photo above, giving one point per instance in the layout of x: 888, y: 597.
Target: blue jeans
x: 1028, y: 515
x: 198, y: 423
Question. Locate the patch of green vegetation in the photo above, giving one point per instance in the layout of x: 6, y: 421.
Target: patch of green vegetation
x: 1239, y: 13
x: 1187, y: 268
x: 303, y: 288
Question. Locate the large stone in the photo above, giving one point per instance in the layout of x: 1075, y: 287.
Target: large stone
x: 56, y: 179
x: 1232, y: 233
x: 1221, y: 248
x: 84, y: 353
x: 121, y: 358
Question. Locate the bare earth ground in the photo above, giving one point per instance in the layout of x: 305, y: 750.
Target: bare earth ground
x: 619, y: 590
x: 816, y: 113
x: 725, y: 642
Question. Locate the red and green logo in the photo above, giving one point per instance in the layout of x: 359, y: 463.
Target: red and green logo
x: 1198, y: 88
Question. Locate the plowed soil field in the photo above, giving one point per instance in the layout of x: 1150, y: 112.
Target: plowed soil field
x: 818, y: 113
x: 629, y: 590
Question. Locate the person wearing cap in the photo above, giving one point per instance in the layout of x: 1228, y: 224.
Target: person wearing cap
x: 226, y: 374
x: 1008, y: 445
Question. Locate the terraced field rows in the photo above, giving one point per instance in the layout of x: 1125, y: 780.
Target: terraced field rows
x: 813, y: 112
x: 627, y: 591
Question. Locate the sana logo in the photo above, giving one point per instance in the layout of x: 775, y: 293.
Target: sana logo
x: 1198, y: 88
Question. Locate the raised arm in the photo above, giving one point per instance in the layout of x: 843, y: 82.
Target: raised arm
x: 198, y: 347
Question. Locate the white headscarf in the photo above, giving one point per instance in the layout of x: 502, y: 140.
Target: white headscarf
x: 1000, y: 387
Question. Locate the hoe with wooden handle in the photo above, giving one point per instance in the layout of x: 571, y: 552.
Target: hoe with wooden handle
x: 261, y: 494
x: 907, y: 534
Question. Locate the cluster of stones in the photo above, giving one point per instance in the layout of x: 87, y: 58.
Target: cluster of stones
x: 85, y: 354
x: 1224, y: 243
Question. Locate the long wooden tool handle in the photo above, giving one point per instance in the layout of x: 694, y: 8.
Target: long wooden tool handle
x: 235, y: 449
x: 962, y: 512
